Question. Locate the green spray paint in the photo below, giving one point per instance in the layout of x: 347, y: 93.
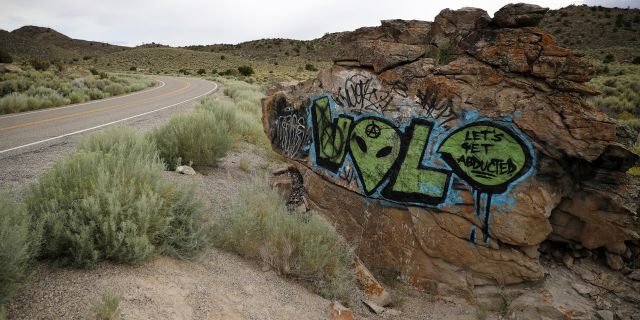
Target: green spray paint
x: 375, y: 146
x: 415, y: 178
x: 485, y: 155
x: 332, y: 136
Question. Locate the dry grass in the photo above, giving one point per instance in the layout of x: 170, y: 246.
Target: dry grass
x: 108, y: 308
x: 303, y: 246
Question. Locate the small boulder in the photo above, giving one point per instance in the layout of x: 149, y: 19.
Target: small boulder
x: 605, y: 314
x: 581, y: 288
x: 340, y: 312
x: 185, y: 170
x: 519, y: 15
x: 635, y: 275
x: 614, y: 261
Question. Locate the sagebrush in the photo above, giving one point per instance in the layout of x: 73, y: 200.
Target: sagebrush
x: 32, y: 89
x: 108, y: 201
x: 16, y: 247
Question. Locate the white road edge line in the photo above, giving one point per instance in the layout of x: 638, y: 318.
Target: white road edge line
x: 108, y: 124
x: 83, y: 104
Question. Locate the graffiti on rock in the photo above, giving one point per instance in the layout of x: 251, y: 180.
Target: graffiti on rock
x: 291, y: 134
x: 363, y: 93
x: 410, y: 165
x: 489, y: 157
x: 434, y: 108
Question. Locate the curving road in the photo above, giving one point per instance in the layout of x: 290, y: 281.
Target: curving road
x: 21, y: 131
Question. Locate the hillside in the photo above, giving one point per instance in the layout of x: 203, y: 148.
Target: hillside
x: 165, y: 60
x: 603, y: 34
x: 46, y: 43
x: 596, y: 31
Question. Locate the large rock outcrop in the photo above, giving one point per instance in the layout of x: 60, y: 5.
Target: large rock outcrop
x: 448, y: 151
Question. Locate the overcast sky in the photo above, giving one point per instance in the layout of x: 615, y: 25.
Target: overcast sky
x: 179, y: 23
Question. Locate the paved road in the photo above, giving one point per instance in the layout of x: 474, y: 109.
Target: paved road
x: 21, y: 131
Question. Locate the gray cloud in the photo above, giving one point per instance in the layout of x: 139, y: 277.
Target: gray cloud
x: 179, y: 23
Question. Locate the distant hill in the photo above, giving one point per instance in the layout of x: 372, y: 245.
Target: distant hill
x: 32, y: 41
x: 596, y: 31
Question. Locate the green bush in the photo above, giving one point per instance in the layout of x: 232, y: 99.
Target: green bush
x: 108, y: 201
x: 109, y: 306
x: 202, y: 71
x: 245, y: 70
x: 303, y: 246
x: 133, y: 69
x: 444, y: 53
x: 608, y: 58
x: 39, y: 64
x: 636, y: 60
x: 199, y: 138
x: 5, y: 57
x: 16, y: 247
x: 310, y: 67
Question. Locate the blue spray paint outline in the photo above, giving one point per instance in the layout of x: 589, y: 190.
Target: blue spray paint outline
x: 429, y: 158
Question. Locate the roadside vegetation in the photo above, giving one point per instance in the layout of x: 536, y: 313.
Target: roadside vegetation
x: 31, y: 89
x: 108, y: 201
x: 299, y: 245
x: 17, y: 243
x: 203, y: 137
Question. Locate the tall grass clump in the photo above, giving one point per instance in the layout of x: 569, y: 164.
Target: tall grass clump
x: 16, y: 247
x: 246, y: 98
x: 303, y: 246
x: 108, y: 308
x: 108, y: 201
x: 200, y: 138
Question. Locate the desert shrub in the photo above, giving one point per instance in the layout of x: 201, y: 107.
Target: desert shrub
x: 244, y: 164
x: 5, y: 57
x: 636, y: 60
x: 109, y: 306
x: 608, y: 58
x: 199, y: 138
x: 202, y: 71
x: 133, y: 69
x: 245, y: 70
x: 108, y: 201
x: 620, y: 93
x: 443, y: 55
x: 31, y: 89
x: 39, y: 64
x: 86, y: 58
x: 222, y: 57
x: 230, y: 72
x: 16, y: 247
x: 94, y: 71
x: 303, y: 246
x: 310, y: 67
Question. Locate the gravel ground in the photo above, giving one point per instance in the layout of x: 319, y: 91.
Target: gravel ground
x: 219, y: 285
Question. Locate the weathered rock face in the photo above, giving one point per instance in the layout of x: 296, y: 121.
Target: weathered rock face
x: 449, y: 151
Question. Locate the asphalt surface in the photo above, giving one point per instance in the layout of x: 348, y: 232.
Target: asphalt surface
x: 23, y: 132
